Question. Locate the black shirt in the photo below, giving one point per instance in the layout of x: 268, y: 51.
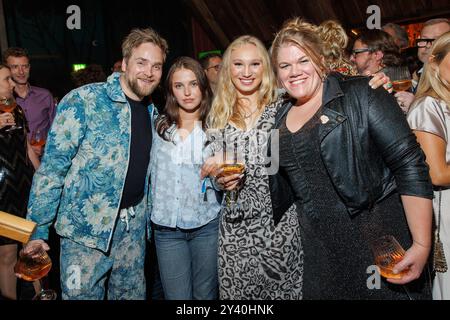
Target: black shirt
x: 141, y: 144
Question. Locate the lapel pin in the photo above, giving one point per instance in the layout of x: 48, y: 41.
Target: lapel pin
x: 324, y: 119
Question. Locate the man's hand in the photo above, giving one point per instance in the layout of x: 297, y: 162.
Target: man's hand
x: 381, y: 79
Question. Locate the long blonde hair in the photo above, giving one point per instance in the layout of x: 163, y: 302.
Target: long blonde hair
x: 431, y: 83
x: 304, y: 35
x: 226, y: 105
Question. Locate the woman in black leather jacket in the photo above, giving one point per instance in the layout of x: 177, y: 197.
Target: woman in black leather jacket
x: 356, y: 173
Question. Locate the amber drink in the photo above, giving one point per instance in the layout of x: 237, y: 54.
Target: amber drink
x: 387, y: 253
x: 33, y: 267
x: 402, y: 85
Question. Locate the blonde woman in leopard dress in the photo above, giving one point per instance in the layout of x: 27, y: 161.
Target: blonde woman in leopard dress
x: 258, y: 258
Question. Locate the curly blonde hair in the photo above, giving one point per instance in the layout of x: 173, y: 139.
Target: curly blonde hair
x: 226, y: 104
x: 335, y: 41
x: 305, y: 36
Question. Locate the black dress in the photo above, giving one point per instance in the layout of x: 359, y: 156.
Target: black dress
x: 336, y: 246
x: 16, y: 170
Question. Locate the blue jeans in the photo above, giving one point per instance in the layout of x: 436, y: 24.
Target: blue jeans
x: 187, y: 261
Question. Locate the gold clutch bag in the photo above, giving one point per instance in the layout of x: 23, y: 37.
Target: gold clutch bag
x: 16, y: 228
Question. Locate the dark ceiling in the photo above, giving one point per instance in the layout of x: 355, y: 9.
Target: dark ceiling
x: 224, y: 20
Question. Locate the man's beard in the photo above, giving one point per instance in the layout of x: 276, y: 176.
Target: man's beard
x: 138, y: 90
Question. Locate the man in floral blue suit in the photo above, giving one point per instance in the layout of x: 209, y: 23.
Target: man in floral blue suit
x: 94, y: 177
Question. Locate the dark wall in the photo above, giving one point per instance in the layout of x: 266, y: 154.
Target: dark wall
x: 40, y: 27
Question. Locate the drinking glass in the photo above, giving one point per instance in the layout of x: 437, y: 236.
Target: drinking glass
x: 232, y: 163
x: 37, y: 138
x: 35, y: 265
x: 400, y: 78
x: 387, y: 253
x: 8, y: 105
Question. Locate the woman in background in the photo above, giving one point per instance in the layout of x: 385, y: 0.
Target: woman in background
x: 17, y: 165
x: 429, y: 118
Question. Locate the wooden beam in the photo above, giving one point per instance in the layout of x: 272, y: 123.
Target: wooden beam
x: 202, y: 9
x: 3, y: 35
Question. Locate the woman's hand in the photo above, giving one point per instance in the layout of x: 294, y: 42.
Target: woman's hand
x: 6, y: 119
x: 212, y: 168
x: 230, y: 182
x: 415, y: 260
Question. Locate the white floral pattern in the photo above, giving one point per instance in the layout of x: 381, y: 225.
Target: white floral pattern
x: 84, y: 166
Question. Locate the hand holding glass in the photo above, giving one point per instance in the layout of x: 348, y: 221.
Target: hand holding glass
x: 34, y: 265
x: 231, y: 165
x: 400, y: 77
x: 387, y: 253
x: 37, y: 139
x: 8, y: 105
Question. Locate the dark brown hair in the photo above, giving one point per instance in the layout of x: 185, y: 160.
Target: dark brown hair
x: 15, y: 52
x: 171, y: 113
x: 379, y: 40
x: 204, y: 61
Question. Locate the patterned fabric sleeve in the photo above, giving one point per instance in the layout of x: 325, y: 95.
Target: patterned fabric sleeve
x: 428, y: 115
x: 62, y: 145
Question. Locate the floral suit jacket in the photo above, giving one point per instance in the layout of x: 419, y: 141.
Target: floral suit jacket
x: 83, y: 170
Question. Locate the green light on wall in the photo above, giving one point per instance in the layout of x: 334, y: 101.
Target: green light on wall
x: 204, y: 53
x: 78, y: 66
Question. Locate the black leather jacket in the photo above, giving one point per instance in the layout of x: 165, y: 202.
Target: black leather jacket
x: 366, y: 145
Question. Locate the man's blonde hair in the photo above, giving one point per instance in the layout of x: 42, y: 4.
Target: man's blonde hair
x: 139, y: 36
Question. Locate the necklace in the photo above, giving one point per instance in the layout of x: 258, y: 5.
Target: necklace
x: 246, y: 116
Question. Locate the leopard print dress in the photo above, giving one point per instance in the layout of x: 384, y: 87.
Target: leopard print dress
x: 258, y: 260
